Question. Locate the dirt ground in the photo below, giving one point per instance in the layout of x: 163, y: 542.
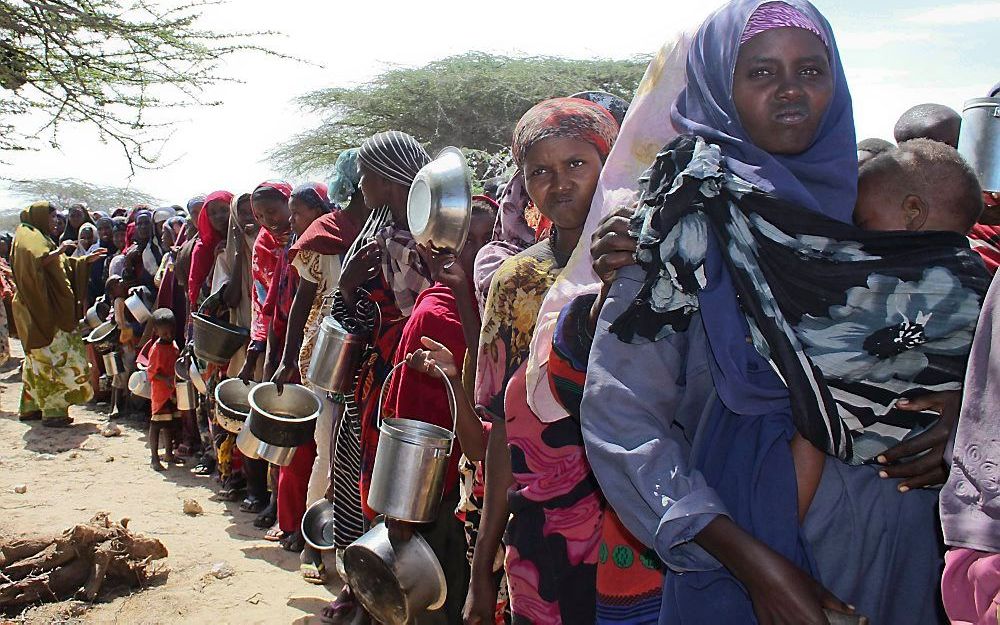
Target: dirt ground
x: 74, y: 473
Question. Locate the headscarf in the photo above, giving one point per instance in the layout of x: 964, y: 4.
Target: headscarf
x: 241, y: 244
x: 778, y: 15
x: 80, y: 251
x: 151, y: 254
x: 203, y: 256
x: 572, y: 118
x: 44, y: 303
x: 314, y: 195
x: 394, y: 155
x: 618, y: 107
x: 346, y: 178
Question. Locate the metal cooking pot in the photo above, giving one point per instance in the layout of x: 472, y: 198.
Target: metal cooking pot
x: 281, y: 456
x: 136, y: 304
x: 335, y: 357
x: 195, y: 377
x: 285, y: 420
x: 394, y: 579
x: 186, y: 396
x: 106, y: 332
x: 317, y: 525
x: 410, y: 463
x: 217, y: 341
x: 439, y: 206
x: 113, y: 364
x: 138, y: 384
x: 247, y: 442
x: 232, y: 401
x: 979, y: 141
x: 93, y: 317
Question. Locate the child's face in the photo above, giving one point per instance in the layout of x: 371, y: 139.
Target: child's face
x: 164, y: 331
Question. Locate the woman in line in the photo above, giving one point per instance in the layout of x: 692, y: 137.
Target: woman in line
x: 543, y: 483
x: 694, y: 447
x: 382, y: 277
x: 55, y: 361
x: 7, y: 291
x: 317, y: 258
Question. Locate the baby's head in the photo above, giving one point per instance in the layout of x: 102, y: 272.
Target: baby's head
x: 920, y: 185
x: 163, y: 324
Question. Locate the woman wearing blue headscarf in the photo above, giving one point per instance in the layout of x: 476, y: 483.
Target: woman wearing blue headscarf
x: 745, y: 260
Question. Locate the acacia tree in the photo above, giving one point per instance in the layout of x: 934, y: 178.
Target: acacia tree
x: 66, y: 191
x: 471, y: 100
x: 108, y: 63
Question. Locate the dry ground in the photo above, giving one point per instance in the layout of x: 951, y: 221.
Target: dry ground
x: 74, y: 473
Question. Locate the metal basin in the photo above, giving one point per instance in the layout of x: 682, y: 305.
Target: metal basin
x: 317, y: 525
x: 979, y: 141
x: 232, y: 400
x: 217, y: 341
x: 285, y: 420
x: 104, y: 338
x: 247, y: 442
x: 394, y: 579
x: 136, y: 304
x: 439, y: 206
x: 281, y: 456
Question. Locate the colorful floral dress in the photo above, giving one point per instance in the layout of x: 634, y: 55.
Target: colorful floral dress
x: 556, y: 509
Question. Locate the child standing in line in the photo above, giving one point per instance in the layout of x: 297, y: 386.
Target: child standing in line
x: 162, y: 358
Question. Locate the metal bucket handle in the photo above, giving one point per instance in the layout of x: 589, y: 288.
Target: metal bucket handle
x: 452, y: 404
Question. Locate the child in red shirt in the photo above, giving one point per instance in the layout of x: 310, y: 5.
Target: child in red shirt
x: 162, y: 358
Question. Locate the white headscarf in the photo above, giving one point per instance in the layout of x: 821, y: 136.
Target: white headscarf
x: 96, y: 245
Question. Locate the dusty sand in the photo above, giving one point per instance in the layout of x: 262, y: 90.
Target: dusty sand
x: 72, y: 474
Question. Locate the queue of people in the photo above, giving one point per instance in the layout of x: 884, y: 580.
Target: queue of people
x: 714, y: 360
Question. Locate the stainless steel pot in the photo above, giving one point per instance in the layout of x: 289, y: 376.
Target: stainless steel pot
x: 136, y: 304
x: 247, y: 442
x: 104, y: 338
x: 410, y: 464
x: 113, y: 364
x: 335, y: 357
x: 232, y: 401
x: 439, y: 206
x: 215, y: 340
x: 281, y: 456
x: 979, y: 141
x: 186, y: 396
x: 93, y: 317
x: 395, y: 579
x: 194, y: 375
x: 317, y: 525
x: 285, y: 420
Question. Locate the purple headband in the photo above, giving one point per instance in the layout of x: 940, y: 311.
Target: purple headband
x: 778, y: 15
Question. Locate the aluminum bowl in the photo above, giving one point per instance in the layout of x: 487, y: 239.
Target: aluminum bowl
x: 104, y: 338
x: 285, y: 420
x: 137, y: 304
x: 232, y: 400
x: 439, y: 207
x: 196, y: 378
x: 317, y: 525
x: 217, y: 341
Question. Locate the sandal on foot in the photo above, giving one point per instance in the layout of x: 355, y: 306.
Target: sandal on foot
x: 294, y: 542
x: 312, y: 573
x: 265, y: 519
x: 252, y: 505
x: 275, y: 535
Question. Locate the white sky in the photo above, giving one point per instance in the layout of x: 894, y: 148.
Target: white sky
x: 897, y: 53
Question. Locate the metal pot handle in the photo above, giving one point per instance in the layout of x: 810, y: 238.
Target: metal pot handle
x: 452, y: 404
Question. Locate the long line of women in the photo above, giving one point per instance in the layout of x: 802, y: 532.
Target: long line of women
x: 706, y: 369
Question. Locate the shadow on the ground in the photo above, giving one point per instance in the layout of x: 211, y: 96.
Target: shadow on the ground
x: 312, y: 606
x: 274, y: 554
x: 45, y: 440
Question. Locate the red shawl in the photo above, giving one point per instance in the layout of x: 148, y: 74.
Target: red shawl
x: 331, y: 234
x: 203, y: 256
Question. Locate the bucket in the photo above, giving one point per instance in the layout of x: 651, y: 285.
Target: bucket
x: 410, y: 463
x: 185, y: 395
x: 113, y: 364
x: 979, y: 141
x: 335, y: 357
x: 247, y: 442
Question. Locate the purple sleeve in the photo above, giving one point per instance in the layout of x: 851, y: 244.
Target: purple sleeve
x: 641, y: 407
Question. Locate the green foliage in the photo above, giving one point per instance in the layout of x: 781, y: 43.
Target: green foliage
x: 471, y: 100
x: 107, y: 63
x: 66, y: 191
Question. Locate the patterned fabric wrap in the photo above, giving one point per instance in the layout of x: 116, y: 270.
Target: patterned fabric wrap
x: 394, y: 155
x: 851, y: 320
x: 55, y: 377
x: 402, y: 267
x: 772, y: 15
x: 346, y: 178
x: 573, y: 118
